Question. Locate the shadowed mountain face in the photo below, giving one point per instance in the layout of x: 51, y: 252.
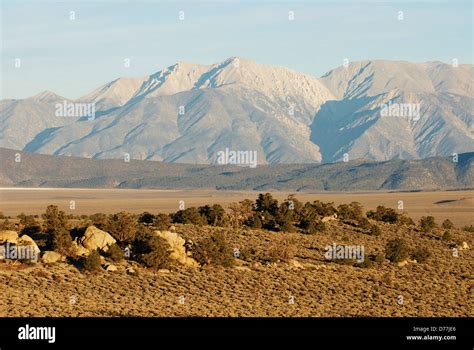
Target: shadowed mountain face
x: 35, y: 170
x: 188, y: 113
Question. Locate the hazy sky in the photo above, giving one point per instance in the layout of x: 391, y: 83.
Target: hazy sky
x: 73, y: 57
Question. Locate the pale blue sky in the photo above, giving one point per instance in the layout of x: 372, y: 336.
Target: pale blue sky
x: 72, y: 58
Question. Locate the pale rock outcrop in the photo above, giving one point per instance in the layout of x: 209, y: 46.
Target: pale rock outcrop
x: 177, y: 245
x: 8, y: 236
x: 50, y: 257
x: 27, y: 240
x: 96, y: 239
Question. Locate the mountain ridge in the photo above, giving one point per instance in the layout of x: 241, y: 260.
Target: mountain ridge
x: 188, y: 112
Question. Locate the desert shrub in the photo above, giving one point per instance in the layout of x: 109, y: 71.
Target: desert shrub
x: 447, y: 236
x: 364, y: 223
x: 2, y: 216
x: 92, y: 261
x: 156, y: 253
x: 397, y: 250
x: 265, y: 203
x: 248, y: 254
x: 383, y: 214
x: 214, y: 250
x: 468, y: 228
x: 122, y: 226
x: 215, y: 215
x: 162, y: 222
x: 291, y: 209
x: 375, y: 230
x: 447, y: 224
x: 352, y: 211
x: 55, y: 224
x: 61, y: 241
x: 317, y: 208
x: 30, y: 225
x: 312, y: 226
x: 7, y: 225
x: 241, y: 213
x: 379, y: 258
x: 99, y: 220
x: 405, y: 219
x: 115, y: 253
x: 427, y: 223
x: 146, y: 218
x: 421, y: 254
x: 189, y: 216
x: 254, y: 222
x: 284, y: 249
x: 54, y: 219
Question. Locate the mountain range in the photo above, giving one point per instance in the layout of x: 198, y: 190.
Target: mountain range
x: 37, y: 170
x: 188, y: 113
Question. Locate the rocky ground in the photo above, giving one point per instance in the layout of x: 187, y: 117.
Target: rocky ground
x: 306, y: 286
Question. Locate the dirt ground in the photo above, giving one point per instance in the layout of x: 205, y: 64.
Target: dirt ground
x: 458, y: 206
x: 442, y: 286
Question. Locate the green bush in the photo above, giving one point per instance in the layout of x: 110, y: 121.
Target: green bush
x: 61, y: 241
x: 421, y: 254
x: 283, y: 249
x: 54, y: 219
x: 189, y: 216
x: 115, y: 253
x: 99, y: 220
x: 157, y: 253
x: 215, y: 215
x: 123, y: 227
x: 447, y: 236
x: 447, y: 224
x: 92, y: 262
x: 214, y: 250
x: 384, y: 214
x: 312, y: 226
x: 375, y: 230
x: 397, y: 250
x: 427, y: 223
x: 162, y: 222
x: 352, y: 211
x: 146, y: 218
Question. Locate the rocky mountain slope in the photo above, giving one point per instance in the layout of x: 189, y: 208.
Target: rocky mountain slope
x: 188, y: 113
x: 36, y: 170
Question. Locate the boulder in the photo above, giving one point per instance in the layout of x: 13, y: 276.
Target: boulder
x: 78, y: 249
x: 96, y: 239
x: 329, y: 218
x: 8, y: 236
x: 295, y: 264
x: 50, y: 257
x: 402, y: 263
x: 27, y: 240
x: 178, y: 250
x: 110, y: 267
x: 131, y: 271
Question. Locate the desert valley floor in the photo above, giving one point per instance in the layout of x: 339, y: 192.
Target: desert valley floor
x: 306, y: 286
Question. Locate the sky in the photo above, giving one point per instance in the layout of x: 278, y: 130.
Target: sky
x: 73, y: 56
